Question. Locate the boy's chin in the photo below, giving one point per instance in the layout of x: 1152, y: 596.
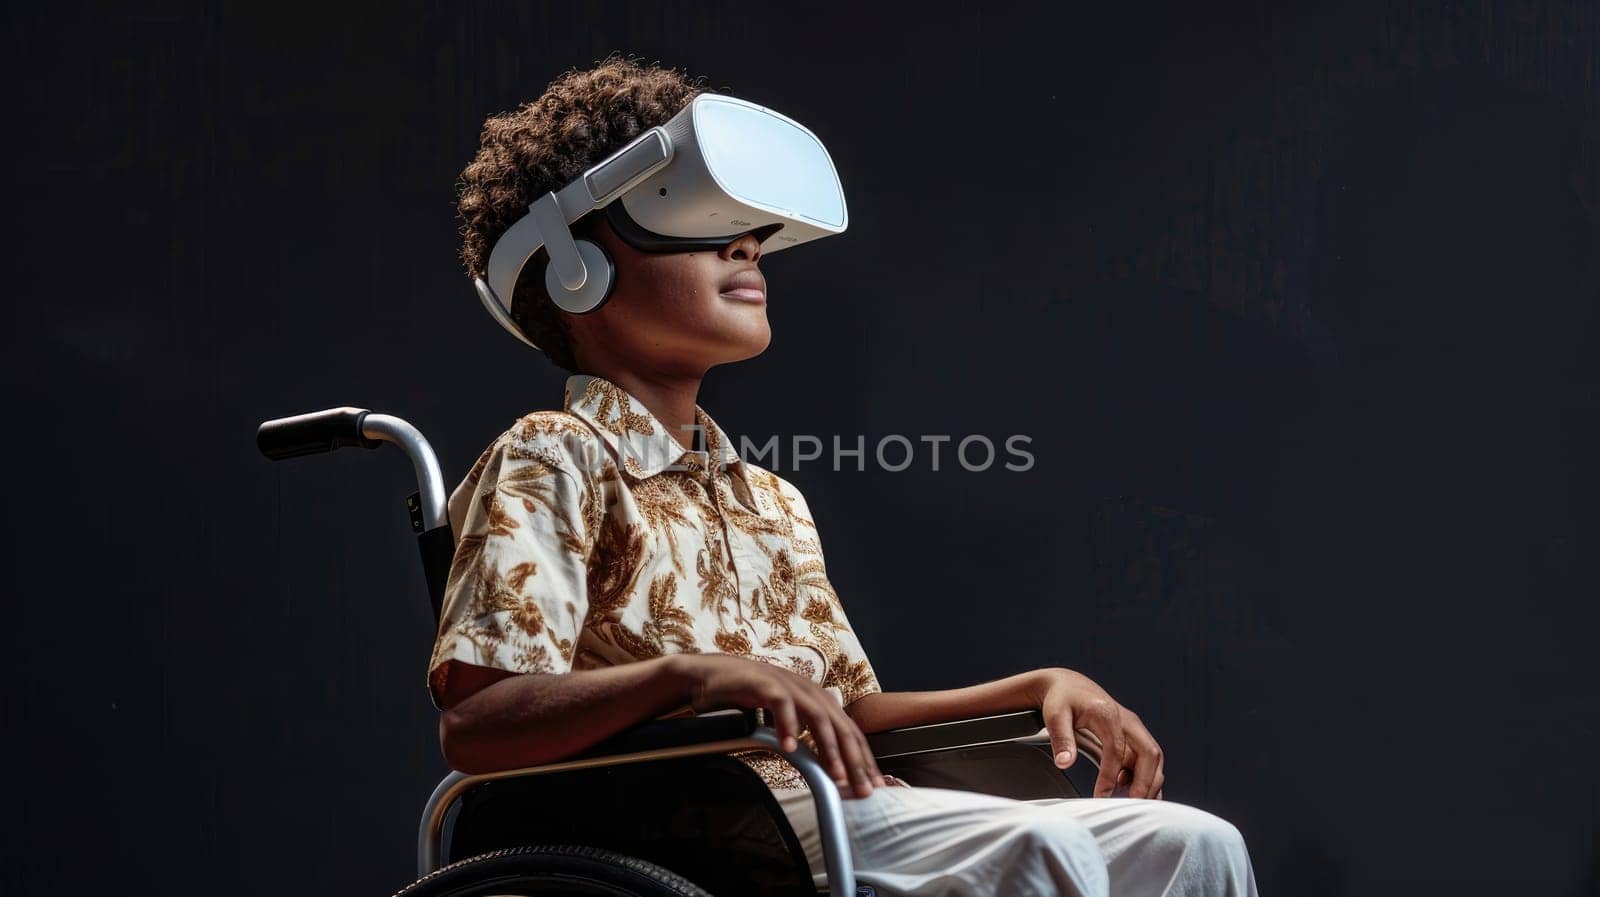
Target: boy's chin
x: 746, y: 355
x: 743, y: 350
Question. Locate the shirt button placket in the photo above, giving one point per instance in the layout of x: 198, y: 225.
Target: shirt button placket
x: 713, y: 486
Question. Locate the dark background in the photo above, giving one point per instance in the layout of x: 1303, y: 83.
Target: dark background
x: 1298, y: 307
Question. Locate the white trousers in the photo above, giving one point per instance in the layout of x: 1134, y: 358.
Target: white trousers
x: 938, y: 842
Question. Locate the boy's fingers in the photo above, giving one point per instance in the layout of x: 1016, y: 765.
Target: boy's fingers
x: 1063, y: 744
x: 788, y: 721
x: 869, y: 760
x: 1146, y: 756
x: 827, y: 744
x: 868, y: 763
x: 1144, y: 771
x: 1111, y: 763
x: 857, y: 757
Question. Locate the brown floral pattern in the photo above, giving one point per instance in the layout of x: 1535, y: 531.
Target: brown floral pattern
x: 589, y: 537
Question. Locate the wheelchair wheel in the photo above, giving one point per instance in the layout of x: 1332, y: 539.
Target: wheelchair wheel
x: 552, y: 870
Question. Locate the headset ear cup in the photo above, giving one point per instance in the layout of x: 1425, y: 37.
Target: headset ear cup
x: 595, y: 290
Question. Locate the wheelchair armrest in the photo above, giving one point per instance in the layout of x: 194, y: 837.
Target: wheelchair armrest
x: 660, y: 734
x: 957, y: 734
x: 722, y: 731
x: 1008, y: 755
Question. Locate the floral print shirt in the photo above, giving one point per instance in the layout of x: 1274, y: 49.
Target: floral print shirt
x: 590, y: 537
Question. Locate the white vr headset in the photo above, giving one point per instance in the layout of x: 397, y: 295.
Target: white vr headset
x: 721, y: 168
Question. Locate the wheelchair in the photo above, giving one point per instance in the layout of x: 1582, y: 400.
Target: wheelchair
x: 663, y: 809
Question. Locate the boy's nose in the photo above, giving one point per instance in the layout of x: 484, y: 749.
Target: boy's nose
x: 745, y: 246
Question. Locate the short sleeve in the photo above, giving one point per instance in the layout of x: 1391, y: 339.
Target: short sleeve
x: 517, y: 591
x: 848, y: 671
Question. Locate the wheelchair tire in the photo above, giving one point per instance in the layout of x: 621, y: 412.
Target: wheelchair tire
x: 552, y: 870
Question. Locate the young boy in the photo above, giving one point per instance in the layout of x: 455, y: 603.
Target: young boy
x: 610, y: 570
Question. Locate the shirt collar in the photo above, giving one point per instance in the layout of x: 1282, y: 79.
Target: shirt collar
x: 643, y: 445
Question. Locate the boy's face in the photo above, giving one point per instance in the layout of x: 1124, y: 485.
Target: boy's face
x: 675, y: 312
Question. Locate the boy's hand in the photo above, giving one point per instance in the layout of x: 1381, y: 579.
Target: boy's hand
x: 721, y: 681
x: 1070, y: 701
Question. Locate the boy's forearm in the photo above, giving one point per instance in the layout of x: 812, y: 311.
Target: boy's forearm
x: 535, y: 718
x: 897, y: 709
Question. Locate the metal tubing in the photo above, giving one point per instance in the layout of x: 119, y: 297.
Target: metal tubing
x: 830, y: 810
x: 430, y: 481
x: 836, y: 855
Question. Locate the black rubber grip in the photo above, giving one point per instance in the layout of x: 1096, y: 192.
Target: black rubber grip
x: 313, y: 433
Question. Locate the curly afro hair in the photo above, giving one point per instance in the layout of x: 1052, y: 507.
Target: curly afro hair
x: 582, y: 117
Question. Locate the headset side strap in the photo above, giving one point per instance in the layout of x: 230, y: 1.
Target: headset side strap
x: 510, y: 253
x: 501, y: 315
x: 558, y: 241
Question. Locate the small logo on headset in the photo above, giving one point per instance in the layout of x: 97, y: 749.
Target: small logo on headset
x: 739, y: 221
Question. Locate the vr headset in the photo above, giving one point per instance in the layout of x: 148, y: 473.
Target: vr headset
x: 719, y: 169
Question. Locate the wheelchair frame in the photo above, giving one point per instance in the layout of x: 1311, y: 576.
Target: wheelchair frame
x: 720, y: 732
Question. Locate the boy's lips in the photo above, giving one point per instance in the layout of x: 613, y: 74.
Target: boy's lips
x: 746, y: 286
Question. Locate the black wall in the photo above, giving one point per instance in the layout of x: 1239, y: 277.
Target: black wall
x: 1298, y: 307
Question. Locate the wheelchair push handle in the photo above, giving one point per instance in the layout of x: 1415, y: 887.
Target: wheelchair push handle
x: 314, y: 433
x: 333, y: 428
